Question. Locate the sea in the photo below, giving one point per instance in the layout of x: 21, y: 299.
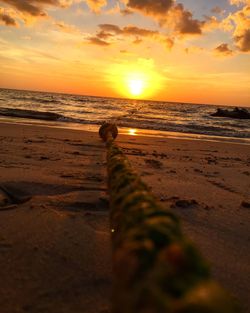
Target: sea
x: 157, y: 118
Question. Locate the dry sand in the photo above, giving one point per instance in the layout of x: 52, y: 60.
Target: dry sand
x: 55, y: 254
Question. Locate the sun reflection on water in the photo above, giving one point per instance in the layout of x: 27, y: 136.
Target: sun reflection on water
x: 132, y: 132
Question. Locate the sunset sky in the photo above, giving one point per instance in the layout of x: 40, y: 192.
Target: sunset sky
x: 189, y: 50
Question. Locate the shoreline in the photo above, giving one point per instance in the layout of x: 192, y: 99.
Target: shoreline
x: 125, y: 130
x: 55, y: 250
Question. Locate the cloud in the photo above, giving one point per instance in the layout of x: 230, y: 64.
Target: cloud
x: 36, y: 7
x: 151, y: 7
x: 104, y: 35
x: 126, y: 11
x: 96, y: 5
x: 118, y: 8
x: 109, y: 33
x: 66, y: 28
x: 97, y: 41
x: 239, y: 24
x: 7, y: 19
x: 169, y: 43
x: 210, y: 23
x: 169, y: 14
x: 239, y: 2
x: 193, y: 50
x: 30, y: 7
x: 223, y: 49
x: 109, y: 29
x: 241, y: 34
x: 136, y: 31
x: 184, y: 22
x: 243, y: 41
x: 137, y: 41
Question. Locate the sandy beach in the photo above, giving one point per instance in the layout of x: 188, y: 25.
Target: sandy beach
x: 55, y: 250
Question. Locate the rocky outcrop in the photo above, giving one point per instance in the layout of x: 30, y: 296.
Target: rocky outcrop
x: 235, y: 113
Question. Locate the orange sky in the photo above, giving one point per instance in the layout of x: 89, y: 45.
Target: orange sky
x: 188, y: 51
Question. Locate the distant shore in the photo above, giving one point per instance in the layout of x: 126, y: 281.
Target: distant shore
x: 55, y: 251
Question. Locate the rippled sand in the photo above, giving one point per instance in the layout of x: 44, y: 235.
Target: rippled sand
x: 55, y: 251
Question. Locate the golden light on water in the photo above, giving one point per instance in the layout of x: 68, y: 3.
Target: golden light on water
x: 132, y: 132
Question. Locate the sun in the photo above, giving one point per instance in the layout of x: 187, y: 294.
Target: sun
x: 136, y: 87
x: 137, y: 80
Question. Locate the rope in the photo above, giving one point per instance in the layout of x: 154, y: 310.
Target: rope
x: 156, y: 268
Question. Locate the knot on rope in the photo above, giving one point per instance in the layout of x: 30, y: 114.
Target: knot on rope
x: 107, y: 130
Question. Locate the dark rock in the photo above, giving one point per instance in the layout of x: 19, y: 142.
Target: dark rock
x: 235, y: 113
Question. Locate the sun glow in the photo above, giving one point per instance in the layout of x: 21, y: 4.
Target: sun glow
x: 136, y: 87
x: 137, y: 80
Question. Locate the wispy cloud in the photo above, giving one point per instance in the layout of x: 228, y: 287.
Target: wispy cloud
x: 223, y: 50
x: 111, y: 31
x: 67, y: 28
x: 111, y: 34
x: 97, y: 41
x: 7, y: 19
x: 36, y: 8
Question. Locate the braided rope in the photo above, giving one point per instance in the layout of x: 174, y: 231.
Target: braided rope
x: 156, y: 268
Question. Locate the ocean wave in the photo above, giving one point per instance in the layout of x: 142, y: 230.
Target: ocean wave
x: 162, y: 116
x: 184, y: 128
x: 46, y: 100
x: 88, y: 100
x: 83, y: 112
x: 47, y: 116
x: 77, y: 120
x: 208, y: 128
x: 28, y: 98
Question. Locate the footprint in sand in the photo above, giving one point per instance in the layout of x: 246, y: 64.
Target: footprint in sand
x: 154, y: 163
x: 222, y: 186
x: 100, y: 205
x: 10, y: 196
x: 185, y: 204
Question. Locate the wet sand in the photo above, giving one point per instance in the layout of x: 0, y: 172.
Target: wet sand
x: 55, y: 251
